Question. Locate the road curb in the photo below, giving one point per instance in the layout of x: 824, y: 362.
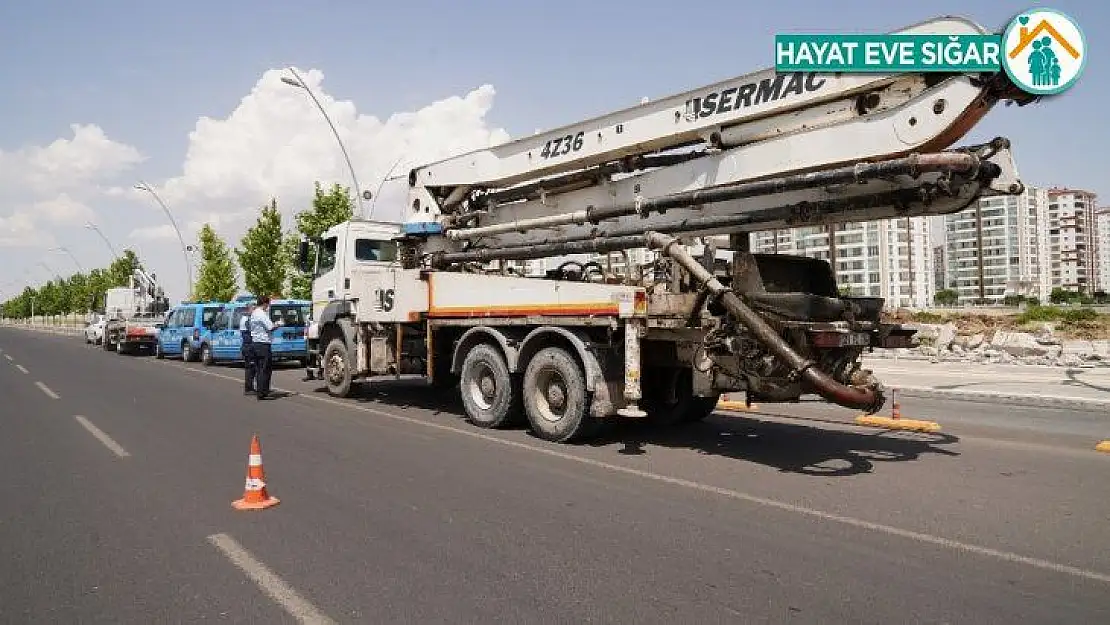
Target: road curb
x: 891, y: 423
x: 1038, y: 401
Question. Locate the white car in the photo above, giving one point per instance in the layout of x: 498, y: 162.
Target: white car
x: 94, y: 331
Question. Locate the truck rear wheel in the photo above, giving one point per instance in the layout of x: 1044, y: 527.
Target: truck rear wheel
x: 670, y: 399
x: 337, y: 374
x: 490, y: 394
x: 555, y: 397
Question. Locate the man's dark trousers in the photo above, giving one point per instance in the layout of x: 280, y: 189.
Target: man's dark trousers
x: 248, y: 365
x: 263, y: 363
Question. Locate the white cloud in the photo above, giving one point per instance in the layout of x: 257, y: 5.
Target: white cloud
x: 154, y: 233
x: 86, y: 159
x: 51, y: 185
x: 63, y: 210
x: 18, y: 230
x: 277, y: 144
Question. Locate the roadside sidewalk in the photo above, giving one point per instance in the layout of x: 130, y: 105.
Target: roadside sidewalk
x: 1028, y: 385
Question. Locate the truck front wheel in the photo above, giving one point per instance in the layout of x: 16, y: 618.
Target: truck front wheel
x: 489, y: 393
x: 555, y: 396
x: 337, y: 373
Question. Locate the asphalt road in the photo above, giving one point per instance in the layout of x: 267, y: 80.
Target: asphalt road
x: 393, y: 509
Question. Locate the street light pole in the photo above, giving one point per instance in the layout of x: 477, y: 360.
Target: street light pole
x: 142, y: 186
x: 91, y: 226
x: 297, y: 82
x: 71, y: 256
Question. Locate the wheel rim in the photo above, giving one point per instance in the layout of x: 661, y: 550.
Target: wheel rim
x: 336, y: 370
x: 205, y: 354
x: 483, y: 386
x: 551, y: 397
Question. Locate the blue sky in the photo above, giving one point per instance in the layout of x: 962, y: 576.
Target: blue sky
x: 144, y: 72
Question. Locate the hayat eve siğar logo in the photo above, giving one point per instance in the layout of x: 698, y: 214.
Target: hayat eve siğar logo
x: 1044, y: 51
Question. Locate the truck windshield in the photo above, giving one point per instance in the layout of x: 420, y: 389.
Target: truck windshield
x: 292, y: 314
x: 326, y: 260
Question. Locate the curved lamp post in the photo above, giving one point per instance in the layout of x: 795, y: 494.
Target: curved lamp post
x: 66, y: 251
x: 142, y: 186
x: 300, y: 84
x: 91, y: 226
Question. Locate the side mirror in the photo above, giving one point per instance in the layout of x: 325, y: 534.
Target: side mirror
x: 302, y: 256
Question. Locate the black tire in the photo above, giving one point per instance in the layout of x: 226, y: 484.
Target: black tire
x: 187, y: 352
x: 685, y: 407
x: 107, y: 343
x: 490, y: 394
x: 555, y: 397
x: 206, y: 355
x: 337, y: 375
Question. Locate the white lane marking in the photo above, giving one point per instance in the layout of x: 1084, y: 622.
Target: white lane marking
x: 298, y: 607
x: 9, y: 357
x: 732, y: 494
x: 22, y: 368
x: 46, y: 389
x: 102, y: 437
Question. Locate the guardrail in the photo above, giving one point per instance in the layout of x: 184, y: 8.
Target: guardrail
x: 58, y: 325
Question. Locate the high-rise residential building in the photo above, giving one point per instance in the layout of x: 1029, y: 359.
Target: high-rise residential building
x: 940, y: 268
x: 1102, y: 250
x: 891, y: 258
x: 1071, y: 218
x: 998, y: 247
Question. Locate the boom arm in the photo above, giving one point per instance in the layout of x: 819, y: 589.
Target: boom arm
x: 747, y: 154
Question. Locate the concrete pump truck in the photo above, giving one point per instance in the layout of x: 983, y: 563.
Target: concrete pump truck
x: 437, y: 296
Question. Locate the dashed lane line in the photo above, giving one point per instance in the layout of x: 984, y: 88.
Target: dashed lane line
x: 9, y: 357
x: 46, y: 389
x: 297, y: 606
x: 938, y: 541
x: 22, y: 368
x: 112, y: 445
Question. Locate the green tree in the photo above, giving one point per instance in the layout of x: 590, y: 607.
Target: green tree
x: 217, y: 271
x: 946, y: 297
x: 330, y: 207
x: 76, y: 293
x: 263, y: 255
x: 120, y: 271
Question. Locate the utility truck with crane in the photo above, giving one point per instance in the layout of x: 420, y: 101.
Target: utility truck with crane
x: 133, y: 313
x: 436, y: 296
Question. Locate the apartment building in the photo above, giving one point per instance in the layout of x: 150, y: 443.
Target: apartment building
x: 999, y: 247
x: 1102, y: 250
x: 940, y: 265
x: 892, y: 259
x: 1072, y: 244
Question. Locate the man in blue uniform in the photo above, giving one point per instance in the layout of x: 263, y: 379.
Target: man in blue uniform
x: 262, y: 328
x: 249, y: 366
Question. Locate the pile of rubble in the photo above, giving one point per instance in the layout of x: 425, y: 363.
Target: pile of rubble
x: 942, y: 342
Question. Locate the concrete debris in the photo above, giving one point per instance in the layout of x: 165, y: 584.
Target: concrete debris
x: 942, y: 343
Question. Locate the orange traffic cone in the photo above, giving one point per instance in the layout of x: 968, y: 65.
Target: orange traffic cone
x: 255, y: 496
x: 895, y: 408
